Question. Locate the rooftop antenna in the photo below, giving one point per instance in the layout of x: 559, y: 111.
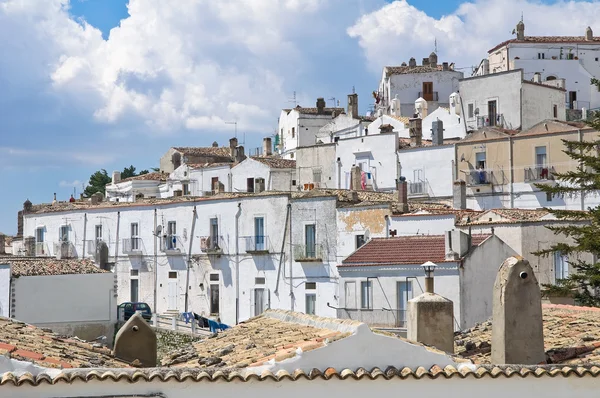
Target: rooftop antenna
x: 293, y: 99
x: 435, y: 45
x: 521, y: 16
x: 234, y: 123
x: 353, y: 90
x: 332, y: 99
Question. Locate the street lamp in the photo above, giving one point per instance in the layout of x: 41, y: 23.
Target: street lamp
x: 429, y: 267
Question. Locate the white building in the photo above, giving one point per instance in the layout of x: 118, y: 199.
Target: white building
x: 260, y: 173
x: 132, y: 188
x: 317, y: 165
x: 378, y: 279
x: 506, y: 100
x: 407, y: 83
x: 572, y: 58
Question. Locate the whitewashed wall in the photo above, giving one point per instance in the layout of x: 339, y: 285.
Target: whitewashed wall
x: 538, y: 103
x: 422, y: 224
x: 5, y: 290
x: 430, y: 165
x: 317, y: 157
x: 249, y: 168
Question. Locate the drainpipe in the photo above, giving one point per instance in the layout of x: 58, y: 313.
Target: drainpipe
x: 512, y: 173
x: 84, y: 232
x: 580, y: 134
x: 117, y: 239
x: 281, y: 254
x: 155, y: 263
x: 291, y: 263
x: 339, y: 174
x: 237, y: 263
x: 187, y: 276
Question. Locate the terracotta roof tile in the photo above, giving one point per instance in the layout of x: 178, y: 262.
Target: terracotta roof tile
x: 32, y: 344
x: 315, y: 111
x: 38, y: 266
x: 209, y: 165
x: 403, y: 250
x: 515, y: 216
x: 400, y: 70
x: 548, y: 39
x: 210, y: 151
x: 571, y: 336
x: 275, y: 162
x: 155, y: 176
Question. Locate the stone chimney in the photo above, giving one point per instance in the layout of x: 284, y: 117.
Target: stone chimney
x: 386, y: 128
x: 355, y: 178
x: 320, y: 106
x: 267, y: 146
x: 520, y: 31
x: 445, y: 66
x: 459, y: 195
x: 437, y: 132
x: 116, y: 177
x: 402, y: 195
x: 433, y: 60
x: 233, y: 143
x: 412, y: 62
x: 537, y: 77
x: 29, y: 246
x: 215, y: 144
x: 136, y: 343
x: 425, y: 61
x: 456, y: 242
x: 415, y: 131
x: 239, y: 154
x: 589, y: 34
x: 2, y: 243
x: 517, y: 330
x: 353, y: 105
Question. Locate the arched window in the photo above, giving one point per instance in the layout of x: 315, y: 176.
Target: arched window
x: 550, y: 78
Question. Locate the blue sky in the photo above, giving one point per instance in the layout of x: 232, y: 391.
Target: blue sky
x: 94, y: 84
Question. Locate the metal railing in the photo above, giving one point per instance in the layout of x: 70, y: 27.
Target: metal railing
x: 212, y: 244
x: 171, y: 244
x: 308, y: 252
x: 64, y: 249
x: 132, y: 246
x: 433, y: 96
x: 479, y: 177
x: 256, y: 244
x: 382, y: 317
x: 485, y: 121
x: 92, y: 245
x: 41, y: 249
x: 539, y: 173
x: 417, y: 188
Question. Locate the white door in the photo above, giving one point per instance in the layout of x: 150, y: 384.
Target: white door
x: 259, y: 301
x: 172, y: 304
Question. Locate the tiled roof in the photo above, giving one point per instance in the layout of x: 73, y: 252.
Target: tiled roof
x: 209, y: 165
x: 276, y: 163
x: 486, y: 134
x: 548, y: 39
x: 404, y: 143
x: 155, y: 176
x: 315, y: 111
x: 222, y: 152
x: 403, y: 119
x: 25, y: 342
x: 41, y: 266
x: 275, y: 335
x: 553, y: 126
x: 571, y: 336
x: 401, y: 70
x: 544, y: 85
x: 403, y: 250
x: 187, y: 375
x: 514, y: 216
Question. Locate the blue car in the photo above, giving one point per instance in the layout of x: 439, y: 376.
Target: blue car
x: 126, y: 310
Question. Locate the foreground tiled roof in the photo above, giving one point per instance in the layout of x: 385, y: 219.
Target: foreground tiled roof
x: 548, y: 39
x: 515, y: 216
x: 43, y: 266
x: 276, y: 163
x: 403, y: 250
x: 400, y: 70
x: 188, y: 375
x: 210, y: 151
x: 28, y: 343
x: 274, y: 335
x: 571, y: 336
x: 154, y: 176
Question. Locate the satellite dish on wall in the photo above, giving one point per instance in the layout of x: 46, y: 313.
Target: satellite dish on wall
x: 367, y: 235
x: 158, y: 230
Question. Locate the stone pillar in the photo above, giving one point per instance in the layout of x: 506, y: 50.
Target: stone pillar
x: 431, y: 321
x: 403, y: 195
x: 136, y: 343
x: 355, y: 178
x: 517, y: 328
x: 459, y: 195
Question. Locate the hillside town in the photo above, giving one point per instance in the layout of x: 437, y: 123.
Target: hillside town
x: 399, y: 245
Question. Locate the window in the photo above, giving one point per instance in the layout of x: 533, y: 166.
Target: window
x: 293, y: 132
x: 550, y: 78
x: 214, y: 232
x: 366, y: 295
x: 172, y: 274
x: 493, y: 112
x: 316, y: 175
x: 540, y: 156
x: 311, y: 303
x: 350, y: 295
x: 470, y: 110
x: 259, y: 281
x: 596, y: 59
x: 310, y: 285
x: 548, y: 197
x: 250, y: 185
x: 259, y: 233
x: 98, y: 232
x: 186, y: 188
x: 480, y: 162
x: 310, y: 240
x: 214, y: 277
x: 555, y: 111
x: 64, y: 233
x: 39, y: 235
x: 427, y: 91
x: 561, y: 266
x: 259, y: 301
x: 171, y: 235
x: 360, y: 240
x: 135, y: 240
x: 541, y: 56
x: 134, y: 272
x: 292, y: 155
x: 134, y: 290
x: 214, y: 298
x: 294, y: 183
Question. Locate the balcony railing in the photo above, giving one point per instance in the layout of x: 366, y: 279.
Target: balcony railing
x: 212, y: 244
x: 486, y: 121
x: 479, y: 177
x: 171, y: 244
x: 417, y: 188
x: 539, y: 173
x: 257, y: 244
x: 132, y: 246
x: 64, y: 249
x: 41, y: 249
x: 308, y: 253
x: 382, y: 318
x: 433, y: 96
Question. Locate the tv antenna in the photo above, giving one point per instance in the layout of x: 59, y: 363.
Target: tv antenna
x: 235, y: 125
x: 293, y: 99
x: 332, y: 99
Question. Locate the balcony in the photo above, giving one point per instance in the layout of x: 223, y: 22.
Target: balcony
x: 308, y: 253
x: 482, y: 177
x: 64, y: 249
x: 171, y: 244
x: 417, y: 189
x: 378, y: 318
x: 497, y: 120
x: 41, y: 249
x: 212, y: 245
x: 432, y: 96
x: 257, y: 244
x: 539, y: 173
x: 132, y: 246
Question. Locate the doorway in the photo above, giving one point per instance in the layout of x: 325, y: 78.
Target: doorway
x: 492, y: 112
x: 172, y: 298
x: 404, y: 293
x: 259, y: 301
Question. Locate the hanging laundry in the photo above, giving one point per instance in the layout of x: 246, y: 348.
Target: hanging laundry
x: 187, y: 316
x: 363, y: 180
x: 202, y: 321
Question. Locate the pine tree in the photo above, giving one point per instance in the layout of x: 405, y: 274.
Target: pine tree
x: 584, y: 282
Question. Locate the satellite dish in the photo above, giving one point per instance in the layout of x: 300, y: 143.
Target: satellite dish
x: 367, y: 235
x: 158, y: 230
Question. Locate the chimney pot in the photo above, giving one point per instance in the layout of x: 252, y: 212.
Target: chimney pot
x: 459, y: 195
x: 402, y: 195
x: 320, y: 106
x: 267, y: 147
x: 415, y: 132
x: 353, y: 105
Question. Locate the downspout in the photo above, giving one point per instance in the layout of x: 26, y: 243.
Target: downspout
x: 117, y: 239
x: 512, y: 172
x: 237, y: 263
x: 580, y: 134
x: 462, y: 114
x: 281, y: 254
x: 84, y: 232
x: 291, y: 262
x: 339, y: 174
x: 155, y: 235
x: 189, y: 261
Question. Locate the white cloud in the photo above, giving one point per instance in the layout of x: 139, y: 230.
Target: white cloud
x: 398, y: 31
x: 50, y: 158
x: 70, y: 184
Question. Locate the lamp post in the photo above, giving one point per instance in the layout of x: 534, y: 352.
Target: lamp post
x: 429, y: 267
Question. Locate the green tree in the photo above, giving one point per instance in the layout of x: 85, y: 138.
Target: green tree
x: 584, y: 282
x: 100, y: 179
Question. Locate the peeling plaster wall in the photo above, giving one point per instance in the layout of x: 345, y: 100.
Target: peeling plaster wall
x: 353, y: 221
